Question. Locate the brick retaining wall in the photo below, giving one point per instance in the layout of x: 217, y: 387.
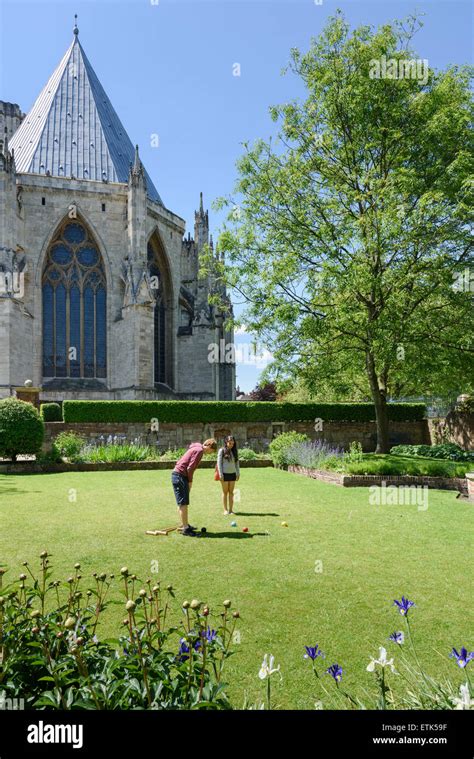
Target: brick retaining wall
x: 368, y: 480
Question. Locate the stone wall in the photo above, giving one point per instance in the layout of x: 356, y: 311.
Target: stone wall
x: 470, y: 485
x: 258, y: 435
x: 455, y: 428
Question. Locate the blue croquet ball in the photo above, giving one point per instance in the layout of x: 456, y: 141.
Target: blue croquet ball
x: 203, y: 530
x: 233, y: 524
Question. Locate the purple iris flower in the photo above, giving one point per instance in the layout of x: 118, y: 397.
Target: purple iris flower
x: 209, y: 634
x: 335, y: 671
x: 397, y: 637
x: 462, y: 658
x: 183, y: 653
x: 312, y: 652
x: 404, y: 605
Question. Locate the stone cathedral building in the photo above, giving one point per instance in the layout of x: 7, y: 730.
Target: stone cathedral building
x: 99, y: 290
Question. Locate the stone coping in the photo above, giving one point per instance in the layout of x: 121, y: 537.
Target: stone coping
x: 31, y: 467
x: 367, y: 480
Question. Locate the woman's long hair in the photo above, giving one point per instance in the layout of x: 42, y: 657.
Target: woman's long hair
x: 233, y: 450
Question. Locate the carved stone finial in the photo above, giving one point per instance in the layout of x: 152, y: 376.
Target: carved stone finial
x: 138, y: 164
x: 136, y: 172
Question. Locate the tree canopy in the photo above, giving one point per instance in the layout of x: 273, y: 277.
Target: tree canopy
x: 350, y: 235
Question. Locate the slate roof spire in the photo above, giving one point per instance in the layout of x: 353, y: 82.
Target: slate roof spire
x: 73, y: 130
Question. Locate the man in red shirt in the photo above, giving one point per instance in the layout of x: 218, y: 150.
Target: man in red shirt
x: 182, y: 479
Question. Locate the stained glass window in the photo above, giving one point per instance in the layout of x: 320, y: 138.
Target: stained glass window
x: 74, y: 306
x: 48, y: 331
x: 159, y: 332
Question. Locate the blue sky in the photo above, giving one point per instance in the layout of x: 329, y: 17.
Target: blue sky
x: 168, y: 67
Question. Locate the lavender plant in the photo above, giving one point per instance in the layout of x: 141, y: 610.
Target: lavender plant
x: 314, y: 455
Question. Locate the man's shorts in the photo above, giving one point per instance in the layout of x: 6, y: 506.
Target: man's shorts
x: 181, y: 488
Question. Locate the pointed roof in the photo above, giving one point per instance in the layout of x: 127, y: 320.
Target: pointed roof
x: 73, y: 129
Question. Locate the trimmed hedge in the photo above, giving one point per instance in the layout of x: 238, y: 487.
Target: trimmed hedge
x: 181, y: 412
x: 51, y: 412
x: 21, y: 428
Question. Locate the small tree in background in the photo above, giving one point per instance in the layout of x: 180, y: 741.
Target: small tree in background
x: 264, y: 392
x: 21, y: 429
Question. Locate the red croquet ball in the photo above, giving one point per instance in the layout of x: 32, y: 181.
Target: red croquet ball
x: 246, y: 529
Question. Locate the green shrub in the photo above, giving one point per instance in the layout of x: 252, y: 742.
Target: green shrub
x: 68, y: 444
x: 281, y: 445
x: 21, y: 428
x: 354, y: 453
x: 180, y: 412
x: 372, y: 464
x: 49, y: 457
x: 447, y: 451
x: 114, y: 454
x: 375, y: 466
x: 51, y: 412
x: 247, y: 454
x: 173, y: 454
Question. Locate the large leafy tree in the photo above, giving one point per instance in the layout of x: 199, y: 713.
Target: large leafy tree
x: 347, y: 232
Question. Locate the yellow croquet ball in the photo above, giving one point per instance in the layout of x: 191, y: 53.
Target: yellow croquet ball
x: 284, y: 524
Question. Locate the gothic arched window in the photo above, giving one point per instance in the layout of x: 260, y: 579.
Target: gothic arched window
x: 74, y: 306
x: 159, y: 331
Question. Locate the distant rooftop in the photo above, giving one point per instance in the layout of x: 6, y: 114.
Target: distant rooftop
x: 73, y: 129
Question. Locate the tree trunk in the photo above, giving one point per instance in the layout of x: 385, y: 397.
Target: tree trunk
x: 380, y: 403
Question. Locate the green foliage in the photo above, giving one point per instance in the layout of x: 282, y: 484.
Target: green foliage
x: 280, y: 446
x: 173, y: 454
x: 21, y: 428
x: 68, y: 445
x: 449, y: 451
x: 354, y: 453
x: 398, y: 466
x: 247, y: 454
x: 53, y: 658
x: 114, y: 454
x: 49, y: 457
x: 355, y: 222
x: 181, y: 412
x: 51, y: 412
x: 466, y: 406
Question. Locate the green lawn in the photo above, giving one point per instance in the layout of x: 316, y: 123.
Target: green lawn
x: 370, y: 555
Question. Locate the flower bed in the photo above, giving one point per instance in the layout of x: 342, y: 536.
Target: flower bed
x: 368, y: 480
x: 33, y: 467
x: 54, y: 656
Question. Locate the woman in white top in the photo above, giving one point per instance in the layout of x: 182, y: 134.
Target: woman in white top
x: 229, y: 472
